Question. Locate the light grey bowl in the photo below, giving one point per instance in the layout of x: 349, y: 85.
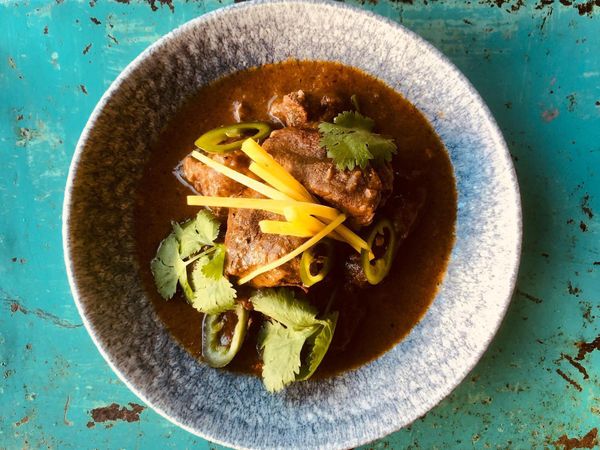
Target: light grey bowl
x: 235, y: 410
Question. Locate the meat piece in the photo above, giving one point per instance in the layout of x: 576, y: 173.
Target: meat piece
x: 299, y: 108
x: 210, y: 182
x: 358, y: 193
x: 248, y: 248
x: 404, y: 211
x: 291, y: 110
x: 354, y: 275
x: 330, y: 106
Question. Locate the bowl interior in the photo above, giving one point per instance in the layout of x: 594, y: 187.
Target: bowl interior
x: 355, y: 407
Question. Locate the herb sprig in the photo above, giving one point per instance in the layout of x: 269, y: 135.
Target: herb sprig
x: 350, y: 141
x: 293, y: 326
x: 194, y: 242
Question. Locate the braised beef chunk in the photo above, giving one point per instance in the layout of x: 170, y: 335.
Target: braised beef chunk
x: 354, y: 275
x: 291, y: 109
x: 209, y: 182
x: 300, y: 108
x: 357, y: 193
x: 404, y: 211
x: 248, y: 248
x: 330, y: 106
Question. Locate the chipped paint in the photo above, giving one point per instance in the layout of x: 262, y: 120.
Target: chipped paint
x: 114, y: 412
x: 590, y: 440
x: 66, y: 421
x: 16, y: 306
x: 23, y: 421
x: 577, y: 365
x: 587, y: 347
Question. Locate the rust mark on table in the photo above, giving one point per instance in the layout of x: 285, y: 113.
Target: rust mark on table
x: 569, y: 380
x: 16, y: 306
x: 114, y: 412
x: 23, y: 421
x: 153, y: 3
x: 577, y: 365
x: 585, y: 206
x: 587, y: 312
x: 573, y: 290
x: 572, y: 99
x: 587, y: 347
x: 586, y: 8
x: 590, y: 440
x: 533, y: 298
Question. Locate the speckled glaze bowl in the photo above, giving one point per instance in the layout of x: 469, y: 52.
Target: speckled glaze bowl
x: 235, y: 410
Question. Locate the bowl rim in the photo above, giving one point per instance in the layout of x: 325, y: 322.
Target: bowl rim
x: 495, y: 133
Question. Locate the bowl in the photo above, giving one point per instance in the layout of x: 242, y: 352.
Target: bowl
x: 232, y: 409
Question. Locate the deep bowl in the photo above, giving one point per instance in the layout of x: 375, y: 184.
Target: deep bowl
x: 349, y: 409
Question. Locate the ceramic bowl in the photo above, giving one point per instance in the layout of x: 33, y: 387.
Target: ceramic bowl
x: 232, y: 409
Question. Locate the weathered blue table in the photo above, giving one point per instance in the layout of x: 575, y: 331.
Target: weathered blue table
x: 538, y: 67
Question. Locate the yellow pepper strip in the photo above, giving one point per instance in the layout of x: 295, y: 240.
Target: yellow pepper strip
x: 265, y: 204
x: 261, y: 157
x: 274, y: 181
x: 341, y: 233
x: 295, y: 190
x: 259, y: 187
x: 285, y: 228
x: 305, y: 246
x: 308, y: 222
x: 311, y: 223
x: 258, y: 154
x: 354, y: 239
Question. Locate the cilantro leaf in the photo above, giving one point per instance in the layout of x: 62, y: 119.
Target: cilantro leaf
x: 319, y: 344
x: 281, y: 354
x: 354, y: 119
x: 283, y: 306
x: 196, y: 233
x: 167, y: 267
x: 293, y: 326
x: 214, y: 268
x: 350, y: 142
x: 213, y: 293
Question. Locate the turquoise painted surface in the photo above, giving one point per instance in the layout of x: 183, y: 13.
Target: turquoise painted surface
x: 538, y: 68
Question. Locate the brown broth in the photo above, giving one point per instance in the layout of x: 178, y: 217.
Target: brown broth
x: 393, y: 307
